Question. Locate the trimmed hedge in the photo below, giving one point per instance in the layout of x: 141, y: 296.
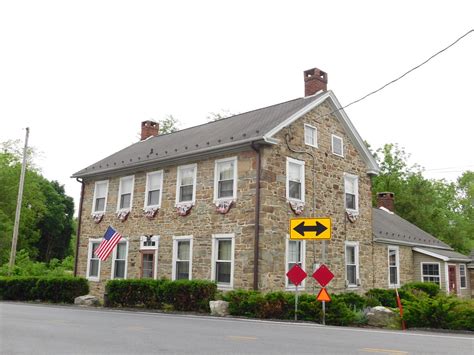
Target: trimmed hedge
x: 48, y: 289
x: 181, y: 295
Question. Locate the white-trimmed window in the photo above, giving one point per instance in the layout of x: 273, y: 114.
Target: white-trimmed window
x: 352, y: 264
x: 351, y: 192
x: 182, y: 258
x: 93, y: 261
x: 295, y: 254
x: 186, y: 184
x: 462, y: 276
x: 337, y: 145
x: 225, y: 179
x: 430, y: 272
x: 393, y: 266
x: 154, y: 187
x: 223, y: 260
x: 100, y: 196
x: 119, y: 260
x: 310, y: 135
x: 148, y: 251
x: 295, y: 178
x: 125, y: 195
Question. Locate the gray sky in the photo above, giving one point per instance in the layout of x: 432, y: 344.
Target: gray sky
x: 84, y: 74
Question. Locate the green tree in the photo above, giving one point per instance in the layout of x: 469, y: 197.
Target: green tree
x: 216, y: 116
x: 433, y: 205
x: 169, y: 124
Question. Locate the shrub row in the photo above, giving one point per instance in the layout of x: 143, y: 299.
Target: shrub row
x: 48, y: 289
x: 180, y: 295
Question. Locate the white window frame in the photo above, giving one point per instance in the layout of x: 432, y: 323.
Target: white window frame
x: 333, y: 137
x: 356, y: 262
x: 216, y: 179
x: 215, y: 240
x: 301, y: 163
x: 95, y: 196
x: 89, y: 257
x: 462, y: 266
x: 314, y: 131
x: 288, y: 286
x: 158, y: 172
x: 355, y: 180
x: 176, y: 239
x: 129, y: 208
x: 397, y: 265
x: 178, y: 179
x: 114, y: 257
x: 439, y: 272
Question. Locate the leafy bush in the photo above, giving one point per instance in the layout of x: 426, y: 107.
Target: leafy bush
x: 133, y: 293
x: 24, y: 266
x: 49, y: 289
x: 181, y: 295
x: 353, y: 300
x: 382, y: 297
x: 244, y: 303
x: 430, y: 288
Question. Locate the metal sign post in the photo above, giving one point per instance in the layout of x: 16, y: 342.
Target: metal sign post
x: 296, y: 303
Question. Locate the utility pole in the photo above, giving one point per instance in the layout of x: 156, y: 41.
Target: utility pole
x: 18, y: 204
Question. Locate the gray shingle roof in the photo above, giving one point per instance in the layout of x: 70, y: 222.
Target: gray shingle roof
x: 450, y: 255
x: 228, y: 132
x: 390, y: 227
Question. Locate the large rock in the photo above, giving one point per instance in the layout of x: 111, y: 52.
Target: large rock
x: 87, y: 300
x: 219, y: 308
x: 382, y: 317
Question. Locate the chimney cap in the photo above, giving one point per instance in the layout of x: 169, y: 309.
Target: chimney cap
x: 315, y: 80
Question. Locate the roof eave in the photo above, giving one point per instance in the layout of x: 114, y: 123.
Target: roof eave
x: 400, y: 242
x: 203, y: 153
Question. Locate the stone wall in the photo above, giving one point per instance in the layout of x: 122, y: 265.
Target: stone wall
x: 380, y: 263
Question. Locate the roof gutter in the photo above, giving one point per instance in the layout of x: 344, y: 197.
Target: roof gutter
x: 256, y: 251
x: 79, y: 222
x: 395, y: 241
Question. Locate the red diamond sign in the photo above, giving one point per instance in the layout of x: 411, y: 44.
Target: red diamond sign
x: 323, y: 275
x: 296, y: 275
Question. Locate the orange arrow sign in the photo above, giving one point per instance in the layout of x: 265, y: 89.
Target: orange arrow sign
x: 323, y: 295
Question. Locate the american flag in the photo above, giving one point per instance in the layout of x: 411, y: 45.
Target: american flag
x: 111, y: 238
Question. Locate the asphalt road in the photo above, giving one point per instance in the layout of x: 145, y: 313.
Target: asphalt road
x: 47, y: 329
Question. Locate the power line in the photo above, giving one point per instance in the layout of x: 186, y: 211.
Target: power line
x: 406, y: 73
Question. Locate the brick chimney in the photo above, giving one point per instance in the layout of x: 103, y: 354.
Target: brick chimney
x: 149, y: 129
x: 387, y: 200
x: 315, y: 80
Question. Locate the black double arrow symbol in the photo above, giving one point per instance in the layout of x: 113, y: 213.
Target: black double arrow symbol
x: 302, y: 229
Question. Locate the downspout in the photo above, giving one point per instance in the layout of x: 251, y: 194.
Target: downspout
x: 79, y: 221
x: 256, y: 251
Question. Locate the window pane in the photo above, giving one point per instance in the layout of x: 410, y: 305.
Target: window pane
x: 337, y: 145
x: 226, y: 189
x: 294, y: 252
x: 295, y: 172
x: 224, y: 250
x: 223, y: 272
x: 121, y: 249
x: 154, y: 181
x: 182, y: 270
x: 125, y: 200
x: 101, y: 189
x: 187, y: 176
x: 99, y: 204
x: 147, y: 266
x: 186, y: 193
x: 94, y: 267
x: 350, y: 201
x: 309, y: 135
x: 393, y: 276
x: 119, y: 269
x: 153, y: 197
x: 295, y: 190
x: 226, y: 170
x: 350, y: 255
x: 351, y: 274
x: 94, y: 248
x: 126, y: 185
x: 392, y: 257
x: 183, y: 250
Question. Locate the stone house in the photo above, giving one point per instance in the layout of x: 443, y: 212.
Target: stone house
x: 214, y: 201
x: 414, y: 255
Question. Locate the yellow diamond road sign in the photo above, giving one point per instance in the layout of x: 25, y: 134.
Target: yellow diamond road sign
x: 310, y: 228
